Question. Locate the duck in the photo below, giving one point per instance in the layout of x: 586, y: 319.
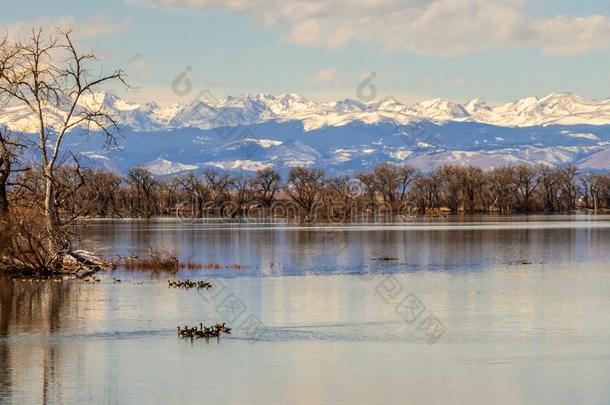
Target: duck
x: 225, y: 329
x: 203, y: 331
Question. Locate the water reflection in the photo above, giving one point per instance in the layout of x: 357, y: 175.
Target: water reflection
x: 28, y: 307
x: 343, y: 250
x: 515, y: 334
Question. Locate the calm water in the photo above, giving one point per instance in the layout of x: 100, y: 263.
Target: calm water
x: 487, y: 311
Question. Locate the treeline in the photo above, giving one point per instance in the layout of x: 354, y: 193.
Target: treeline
x: 307, y: 193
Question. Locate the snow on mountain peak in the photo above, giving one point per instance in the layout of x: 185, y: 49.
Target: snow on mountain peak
x: 208, y: 112
x: 349, y: 105
x: 439, y: 109
x: 476, y: 105
x: 164, y: 167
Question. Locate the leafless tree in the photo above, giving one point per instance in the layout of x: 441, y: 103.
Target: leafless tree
x: 219, y: 184
x: 144, y: 187
x: 370, y: 189
x: 567, y: 183
x: 265, y: 185
x: 9, y: 150
x: 101, y: 191
x: 586, y: 187
x: 242, y: 190
x: 304, y: 186
x: 452, y: 189
x: 600, y: 190
x: 473, y: 183
x: 549, y: 188
x: 197, y: 192
x: 340, y: 195
x: 502, y: 187
x: 427, y: 192
x: 526, y: 183
x: 48, y: 76
x: 392, y: 182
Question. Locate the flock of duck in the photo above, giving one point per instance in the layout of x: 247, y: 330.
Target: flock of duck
x: 204, y: 331
x: 189, y: 284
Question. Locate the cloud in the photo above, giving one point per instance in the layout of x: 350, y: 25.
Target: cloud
x: 100, y: 27
x: 92, y: 27
x: 564, y: 36
x: 324, y: 76
x: 432, y: 27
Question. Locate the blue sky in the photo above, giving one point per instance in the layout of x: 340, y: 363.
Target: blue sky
x: 456, y: 49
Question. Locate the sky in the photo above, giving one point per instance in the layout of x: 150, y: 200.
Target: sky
x: 498, y: 50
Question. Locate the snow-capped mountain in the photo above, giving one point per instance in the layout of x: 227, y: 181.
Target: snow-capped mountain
x: 207, y: 112
x: 254, y: 131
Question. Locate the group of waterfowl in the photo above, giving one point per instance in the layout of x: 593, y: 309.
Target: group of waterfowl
x: 520, y: 262
x: 204, y: 331
x: 38, y: 278
x: 384, y: 258
x: 189, y: 284
x: 91, y: 280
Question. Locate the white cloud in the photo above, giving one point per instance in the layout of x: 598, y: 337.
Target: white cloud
x: 88, y: 28
x: 100, y: 27
x: 324, y: 76
x: 572, y: 35
x: 435, y: 27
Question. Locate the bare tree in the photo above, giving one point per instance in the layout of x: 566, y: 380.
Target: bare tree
x: 370, y: 189
x: 600, y: 189
x: 48, y: 76
x: 451, y: 177
x: 473, y: 183
x: 426, y: 192
x: 219, y: 184
x: 392, y: 182
x: 197, y: 192
x: 526, y: 183
x: 502, y: 186
x: 9, y: 148
x: 567, y: 183
x: 340, y: 195
x: 549, y: 188
x: 304, y: 186
x: 242, y: 190
x: 101, y: 191
x: 144, y: 187
x: 265, y: 185
x: 586, y: 187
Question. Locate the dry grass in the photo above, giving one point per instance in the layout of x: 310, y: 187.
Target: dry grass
x: 164, y: 260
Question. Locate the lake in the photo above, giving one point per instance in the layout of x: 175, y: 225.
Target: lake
x: 484, y: 310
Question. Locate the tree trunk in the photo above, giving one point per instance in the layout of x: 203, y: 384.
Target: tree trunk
x: 52, y: 220
x: 3, y: 199
x: 5, y: 171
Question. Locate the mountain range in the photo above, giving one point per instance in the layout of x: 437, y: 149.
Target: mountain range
x: 248, y: 132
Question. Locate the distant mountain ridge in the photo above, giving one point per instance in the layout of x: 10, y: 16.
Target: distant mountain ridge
x: 206, y: 112
x: 245, y: 133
